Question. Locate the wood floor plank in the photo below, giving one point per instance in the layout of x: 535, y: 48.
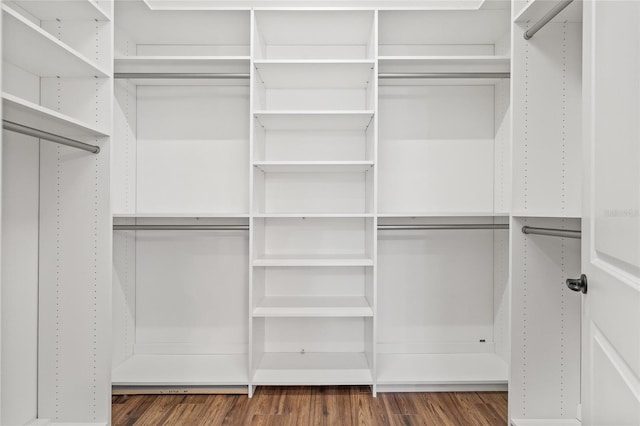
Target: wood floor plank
x: 313, y: 406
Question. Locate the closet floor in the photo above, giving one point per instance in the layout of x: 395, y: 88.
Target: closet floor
x: 340, y: 405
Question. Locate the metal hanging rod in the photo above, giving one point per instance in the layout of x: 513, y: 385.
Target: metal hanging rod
x: 180, y: 227
x: 398, y: 76
x: 465, y: 226
x: 40, y: 134
x: 546, y: 18
x: 551, y: 232
x: 181, y: 75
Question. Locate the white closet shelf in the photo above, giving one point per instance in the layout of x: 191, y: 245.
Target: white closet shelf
x: 182, y: 64
x: 313, y: 260
x: 545, y: 214
x: 47, y: 10
x: 536, y: 9
x: 545, y: 422
x: 312, y: 74
x: 313, y: 306
x: 182, y: 370
x: 308, y: 120
x: 444, y: 214
x: 314, y: 215
x: 45, y: 56
x: 27, y: 113
x: 313, y: 166
x: 185, y: 215
x: 313, y: 369
x: 435, y: 369
x: 443, y: 64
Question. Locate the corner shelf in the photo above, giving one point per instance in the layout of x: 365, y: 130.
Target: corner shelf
x: 313, y: 166
x: 313, y: 306
x: 46, y: 10
x: 313, y: 369
x: 316, y: 74
x: 27, y: 113
x: 46, y: 55
x: 319, y: 260
x: 306, y: 120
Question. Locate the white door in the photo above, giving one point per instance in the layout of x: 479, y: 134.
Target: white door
x: 611, y: 224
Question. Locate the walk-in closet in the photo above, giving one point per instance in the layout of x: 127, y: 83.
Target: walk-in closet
x: 211, y: 197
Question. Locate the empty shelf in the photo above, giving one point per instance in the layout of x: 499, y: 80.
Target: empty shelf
x: 313, y: 166
x: 314, y: 215
x: 285, y: 74
x: 444, y: 214
x: 313, y: 369
x: 446, y: 369
x: 306, y: 120
x: 312, y: 260
x: 29, y: 114
x: 46, y: 56
x: 443, y: 64
x: 182, y: 370
x: 47, y: 10
x: 182, y: 64
x: 186, y: 215
x: 313, y: 306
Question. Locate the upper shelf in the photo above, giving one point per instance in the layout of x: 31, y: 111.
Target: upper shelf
x: 23, y: 112
x: 181, y: 64
x: 228, y: 65
x: 47, y: 10
x: 443, y: 64
x: 313, y: 166
x: 45, y: 56
x: 536, y: 9
x: 306, y: 120
x: 316, y: 74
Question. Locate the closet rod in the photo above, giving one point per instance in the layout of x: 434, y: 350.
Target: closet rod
x: 183, y: 75
x: 564, y: 233
x: 397, y: 76
x: 546, y: 18
x: 489, y: 226
x: 40, y: 134
x: 180, y: 227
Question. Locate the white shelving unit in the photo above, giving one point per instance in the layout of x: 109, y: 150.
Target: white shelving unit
x: 313, y: 210
x: 56, y: 269
x: 182, y: 159
x: 547, y: 192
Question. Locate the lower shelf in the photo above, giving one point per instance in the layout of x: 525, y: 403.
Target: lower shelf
x: 182, y: 370
x: 313, y: 369
x: 545, y: 422
x: 446, y: 369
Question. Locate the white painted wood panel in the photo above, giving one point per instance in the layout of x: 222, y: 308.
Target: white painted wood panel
x: 192, y: 149
x: 20, y: 203
x: 191, y: 288
x: 435, y: 286
x: 436, y: 149
x: 545, y: 326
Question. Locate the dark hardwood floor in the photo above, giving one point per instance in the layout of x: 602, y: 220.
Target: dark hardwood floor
x: 340, y: 406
